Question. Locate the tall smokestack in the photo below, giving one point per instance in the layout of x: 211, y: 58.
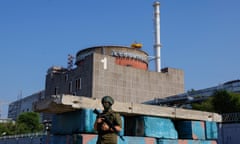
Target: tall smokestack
x: 157, y: 44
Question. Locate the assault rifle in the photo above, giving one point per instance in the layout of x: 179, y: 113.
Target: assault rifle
x: 108, y: 122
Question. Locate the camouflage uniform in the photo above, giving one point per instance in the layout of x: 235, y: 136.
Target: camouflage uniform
x: 108, y: 137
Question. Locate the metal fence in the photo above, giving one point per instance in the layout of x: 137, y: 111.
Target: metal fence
x: 23, y: 135
x: 231, y: 117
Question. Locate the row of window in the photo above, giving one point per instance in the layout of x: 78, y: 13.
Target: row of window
x: 78, y: 86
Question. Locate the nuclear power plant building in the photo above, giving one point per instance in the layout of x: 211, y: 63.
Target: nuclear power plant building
x: 119, y: 71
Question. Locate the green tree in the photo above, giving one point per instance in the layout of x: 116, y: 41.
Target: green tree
x: 220, y: 102
x: 226, y: 102
x: 7, y: 128
x: 204, y: 106
x: 28, y: 122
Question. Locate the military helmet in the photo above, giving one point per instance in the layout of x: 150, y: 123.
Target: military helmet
x: 108, y: 99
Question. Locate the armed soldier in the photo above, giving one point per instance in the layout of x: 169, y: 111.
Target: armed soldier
x: 107, y: 130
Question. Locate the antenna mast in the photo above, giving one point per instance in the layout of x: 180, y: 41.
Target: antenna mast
x: 70, y: 62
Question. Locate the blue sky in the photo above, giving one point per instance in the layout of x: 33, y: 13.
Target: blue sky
x: 199, y: 37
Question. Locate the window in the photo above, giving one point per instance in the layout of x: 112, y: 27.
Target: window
x: 78, y: 84
x: 56, y: 90
x: 66, y: 77
x: 70, y: 87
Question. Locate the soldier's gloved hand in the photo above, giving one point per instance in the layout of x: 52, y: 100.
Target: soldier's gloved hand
x: 100, y: 120
x: 105, y: 127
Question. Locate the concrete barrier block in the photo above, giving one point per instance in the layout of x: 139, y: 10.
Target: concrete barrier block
x: 211, y: 130
x: 191, y: 130
x: 148, y: 126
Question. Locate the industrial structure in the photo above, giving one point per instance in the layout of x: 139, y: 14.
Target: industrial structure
x: 157, y: 45
x: 25, y: 105
x: 193, y: 96
x: 119, y: 71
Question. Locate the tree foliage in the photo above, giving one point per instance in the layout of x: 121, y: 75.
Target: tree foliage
x: 7, y: 128
x: 28, y: 122
x: 204, y: 106
x: 220, y: 102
